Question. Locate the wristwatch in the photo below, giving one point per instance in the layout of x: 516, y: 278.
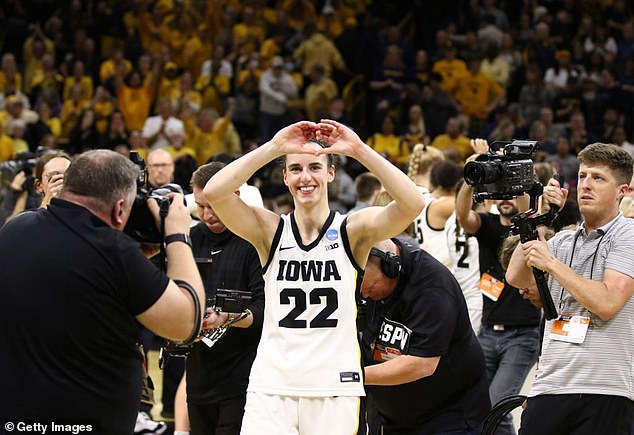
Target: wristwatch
x: 178, y: 237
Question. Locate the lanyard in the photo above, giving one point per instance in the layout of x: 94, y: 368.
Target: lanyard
x: 572, y: 254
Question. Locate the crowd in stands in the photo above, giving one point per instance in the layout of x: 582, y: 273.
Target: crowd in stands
x: 201, y: 78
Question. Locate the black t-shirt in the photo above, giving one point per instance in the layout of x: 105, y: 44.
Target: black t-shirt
x: 71, y: 288
x: 222, y: 371
x: 510, y: 308
x: 427, y: 316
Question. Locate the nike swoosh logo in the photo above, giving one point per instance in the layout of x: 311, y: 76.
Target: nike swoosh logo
x: 216, y: 252
x: 283, y: 248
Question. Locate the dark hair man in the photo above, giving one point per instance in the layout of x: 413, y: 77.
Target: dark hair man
x: 367, y: 187
x: 424, y: 369
x: 509, y: 333
x: 584, y: 382
x: 217, y: 376
x: 75, y: 293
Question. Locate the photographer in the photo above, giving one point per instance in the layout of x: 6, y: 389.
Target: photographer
x: 26, y: 193
x: 69, y: 331
x: 584, y: 381
x: 217, y: 376
x: 509, y: 334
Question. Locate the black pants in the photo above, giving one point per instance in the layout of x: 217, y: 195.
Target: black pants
x: 222, y: 418
x: 577, y: 414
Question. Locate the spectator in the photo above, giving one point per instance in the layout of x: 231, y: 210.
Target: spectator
x: 450, y: 68
x: 318, y: 49
x: 277, y: 87
x: 157, y: 129
x: 388, y: 144
x: 591, y: 274
x: 477, y: 95
x: 564, y: 161
x: 319, y: 93
x: 534, y: 94
x: 453, y: 139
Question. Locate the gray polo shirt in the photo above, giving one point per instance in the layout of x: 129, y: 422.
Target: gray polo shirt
x: 603, y: 363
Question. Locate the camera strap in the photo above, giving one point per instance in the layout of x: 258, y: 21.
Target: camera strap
x: 197, y: 310
x: 164, y: 207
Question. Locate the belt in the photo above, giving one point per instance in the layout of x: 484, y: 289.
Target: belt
x: 499, y: 327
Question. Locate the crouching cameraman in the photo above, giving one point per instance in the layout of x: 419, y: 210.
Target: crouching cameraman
x: 68, y: 332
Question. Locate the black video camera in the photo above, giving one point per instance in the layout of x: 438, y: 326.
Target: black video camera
x: 141, y: 225
x: 504, y: 176
x: 23, y: 162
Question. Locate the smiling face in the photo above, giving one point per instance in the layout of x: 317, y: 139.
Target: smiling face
x: 307, y: 177
x: 598, y: 193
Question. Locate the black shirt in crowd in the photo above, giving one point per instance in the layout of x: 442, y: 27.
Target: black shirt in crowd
x: 510, y: 309
x: 427, y: 316
x: 222, y: 371
x: 71, y: 288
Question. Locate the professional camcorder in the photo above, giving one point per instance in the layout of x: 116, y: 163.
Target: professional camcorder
x: 502, y: 176
x: 506, y: 176
x: 141, y: 225
x: 23, y: 162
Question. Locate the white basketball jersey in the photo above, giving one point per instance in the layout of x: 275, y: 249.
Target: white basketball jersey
x: 431, y: 239
x: 465, y: 266
x: 309, y: 344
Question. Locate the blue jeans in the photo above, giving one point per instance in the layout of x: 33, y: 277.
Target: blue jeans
x: 509, y: 356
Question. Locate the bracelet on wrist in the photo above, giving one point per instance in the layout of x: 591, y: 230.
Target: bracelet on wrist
x: 178, y: 237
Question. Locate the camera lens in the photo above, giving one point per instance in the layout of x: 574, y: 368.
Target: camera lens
x: 479, y: 173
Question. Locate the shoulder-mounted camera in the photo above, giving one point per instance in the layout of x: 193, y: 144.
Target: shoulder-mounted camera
x: 502, y: 176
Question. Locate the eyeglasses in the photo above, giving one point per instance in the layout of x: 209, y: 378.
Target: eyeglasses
x: 161, y: 165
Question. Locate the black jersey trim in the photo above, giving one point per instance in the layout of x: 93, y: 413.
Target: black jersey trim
x: 347, y: 248
x: 427, y: 218
x: 314, y: 243
x: 274, y: 245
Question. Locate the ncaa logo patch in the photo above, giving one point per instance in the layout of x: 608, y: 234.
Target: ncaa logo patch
x: 332, y: 235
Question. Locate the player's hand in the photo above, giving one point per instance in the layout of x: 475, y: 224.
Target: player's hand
x: 294, y: 139
x: 342, y: 139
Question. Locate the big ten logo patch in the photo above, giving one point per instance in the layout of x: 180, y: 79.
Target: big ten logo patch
x: 392, y: 341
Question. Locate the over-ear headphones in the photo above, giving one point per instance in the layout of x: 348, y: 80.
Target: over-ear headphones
x: 390, y: 263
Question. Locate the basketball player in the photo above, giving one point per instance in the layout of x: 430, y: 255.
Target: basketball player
x: 307, y: 377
